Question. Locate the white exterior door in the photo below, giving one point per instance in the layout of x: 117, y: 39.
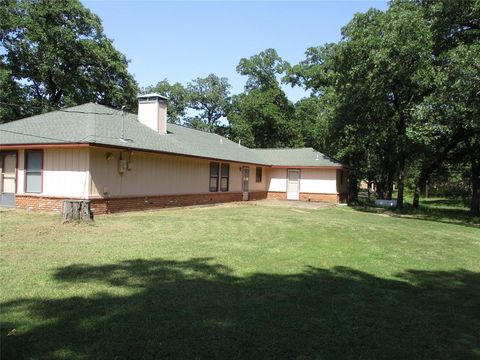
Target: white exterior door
x: 8, y: 179
x: 293, y: 184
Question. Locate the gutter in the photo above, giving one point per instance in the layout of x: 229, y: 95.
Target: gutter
x: 98, y: 145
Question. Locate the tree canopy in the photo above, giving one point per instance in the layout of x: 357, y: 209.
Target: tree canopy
x: 55, y: 54
x: 262, y: 116
x: 210, y: 98
x: 178, y: 99
x: 401, y: 91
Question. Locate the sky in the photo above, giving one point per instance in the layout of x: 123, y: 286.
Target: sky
x: 182, y: 40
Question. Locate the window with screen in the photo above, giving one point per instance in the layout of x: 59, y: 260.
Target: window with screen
x: 214, y: 169
x: 33, y: 171
x: 225, y: 177
x: 259, y: 174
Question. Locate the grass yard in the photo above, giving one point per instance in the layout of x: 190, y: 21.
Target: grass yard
x: 239, y: 282
x: 452, y: 210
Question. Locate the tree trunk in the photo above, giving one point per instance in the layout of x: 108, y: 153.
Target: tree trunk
x: 379, y: 191
x: 418, y: 191
x: 389, y: 187
x: 76, y: 210
x: 389, y: 191
x: 416, y: 197
x: 401, y: 184
x: 353, y: 190
x: 385, y: 187
x: 475, y: 201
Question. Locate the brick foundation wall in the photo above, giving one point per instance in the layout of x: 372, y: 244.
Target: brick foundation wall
x: 333, y: 198
x: 112, y: 205
x: 273, y: 195
x: 257, y: 195
x: 40, y: 203
x: 124, y: 204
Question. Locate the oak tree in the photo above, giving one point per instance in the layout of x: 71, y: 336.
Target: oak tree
x: 56, y: 54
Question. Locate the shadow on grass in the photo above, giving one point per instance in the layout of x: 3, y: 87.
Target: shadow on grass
x: 451, y: 202
x: 197, y: 309
x: 449, y: 211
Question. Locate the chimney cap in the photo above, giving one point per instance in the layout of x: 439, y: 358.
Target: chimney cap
x: 151, y: 97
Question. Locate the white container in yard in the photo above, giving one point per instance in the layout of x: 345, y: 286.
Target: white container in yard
x: 386, y: 203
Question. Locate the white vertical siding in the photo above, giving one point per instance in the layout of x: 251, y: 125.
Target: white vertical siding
x: 65, y: 172
x: 149, y: 174
x: 323, y: 181
x: 235, y: 177
x: 260, y: 186
x: 155, y: 174
x: 20, y: 171
x: 277, y: 180
x: 316, y: 181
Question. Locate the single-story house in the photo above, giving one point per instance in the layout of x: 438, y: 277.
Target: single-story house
x: 123, y: 162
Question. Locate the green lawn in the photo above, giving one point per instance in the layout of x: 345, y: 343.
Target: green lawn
x: 452, y: 210
x: 239, y: 282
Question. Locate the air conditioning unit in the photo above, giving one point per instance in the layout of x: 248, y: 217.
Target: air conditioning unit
x: 122, y: 166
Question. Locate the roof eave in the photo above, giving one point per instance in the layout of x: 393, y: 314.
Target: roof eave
x: 83, y: 144
x: 176, y: 154
x: 43, y: 145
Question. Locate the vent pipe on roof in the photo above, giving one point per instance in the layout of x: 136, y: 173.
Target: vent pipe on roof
x: 152, y: 111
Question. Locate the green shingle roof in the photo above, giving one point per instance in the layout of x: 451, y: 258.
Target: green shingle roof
x: 97, y: 124
x: 295, y: 157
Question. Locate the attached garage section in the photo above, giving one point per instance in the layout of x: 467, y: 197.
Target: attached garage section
x: 307, y: 184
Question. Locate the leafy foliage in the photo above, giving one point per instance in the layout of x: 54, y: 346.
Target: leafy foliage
x: 375, y: 73
x: 56, y: 54
x: 178, y: 98
x: 312, y: 116
x: 262, y: 69
x: 453, y: 106
x: 11, y: 93
x: 263, y: 116
x: 210, y: 97
x: 396, y: 101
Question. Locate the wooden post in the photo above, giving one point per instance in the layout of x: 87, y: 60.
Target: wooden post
x: 76, y: 210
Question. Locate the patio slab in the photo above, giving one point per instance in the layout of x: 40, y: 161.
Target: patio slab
x: 293, y: 203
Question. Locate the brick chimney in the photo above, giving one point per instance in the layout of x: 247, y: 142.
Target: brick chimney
x: 152, y: 111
